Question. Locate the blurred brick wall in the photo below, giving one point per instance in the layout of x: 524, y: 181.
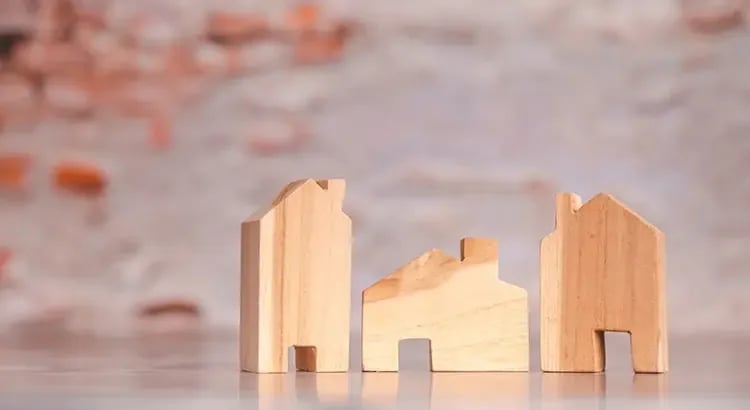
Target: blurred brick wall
x: 128, y: 173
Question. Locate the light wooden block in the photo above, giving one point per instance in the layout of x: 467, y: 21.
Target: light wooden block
x: 474, y: 321
x: 602, y: 269
x: 296, y: 281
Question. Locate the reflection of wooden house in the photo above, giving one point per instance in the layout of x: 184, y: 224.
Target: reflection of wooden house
x: 602, y: 269
x: 474, y: 321
x: 296, y: 281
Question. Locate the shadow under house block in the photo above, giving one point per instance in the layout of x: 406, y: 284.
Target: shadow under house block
x: 474, y: 321
x: 602, y: 269
x: 296, y: 281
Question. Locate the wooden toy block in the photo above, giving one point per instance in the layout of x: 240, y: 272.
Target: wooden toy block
x: 602, y: 269
x: 296, y: 281
x: 474, y: 321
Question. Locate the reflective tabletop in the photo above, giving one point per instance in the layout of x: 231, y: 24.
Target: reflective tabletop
x: 199, y: 370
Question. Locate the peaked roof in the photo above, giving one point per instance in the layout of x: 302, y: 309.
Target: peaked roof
x: 288, y: 191
x: 429, y: 270
x: 604, y: 200
x: 423, y: 266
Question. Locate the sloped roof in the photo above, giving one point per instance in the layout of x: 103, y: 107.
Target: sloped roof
x: 604, y: 200
x: 429, y: 270
x: 429, y: 259
x: 288, y: 191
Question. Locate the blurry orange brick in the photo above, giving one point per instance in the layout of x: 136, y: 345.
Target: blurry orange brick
x: 134, y: 27
x: 114, y: 61
x: 85, y: 36
x: 52, y: 58
x: 169, y: 306
x: 5, y: 257
x: 210, y: 58
x: 276, y: 138
x: 173, y: 61
x: 13, y: 170
x: 191, y: 90
x: 89, y: 30
x: 30, y: 56
x: 303, y: 18
x: 56, y: 19
x: 15, y: 91
x: 232, y: 60
x: 151, y: 30
x: 538, y: 186
x: 71, y: 96
x: 81, y: 178
x: 711, y: 17
x: 160, y: 131
x: 95, y: 19
x: 318, y: 48
x: 140, y: 97
x: 227, y: 27
x: 343, y: 29
x: 224, y: 59
x: 179, y: 60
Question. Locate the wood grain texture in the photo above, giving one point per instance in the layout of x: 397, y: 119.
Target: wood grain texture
x: 474, y: 321
x: 602, y: 269
x: 296, y: 281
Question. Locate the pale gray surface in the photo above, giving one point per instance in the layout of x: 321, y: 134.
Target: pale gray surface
x: 43, y: 370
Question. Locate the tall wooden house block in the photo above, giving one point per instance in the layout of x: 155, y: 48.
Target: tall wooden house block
x: 296, y: 281
x: 602, y: 269
x: 474, y: 321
